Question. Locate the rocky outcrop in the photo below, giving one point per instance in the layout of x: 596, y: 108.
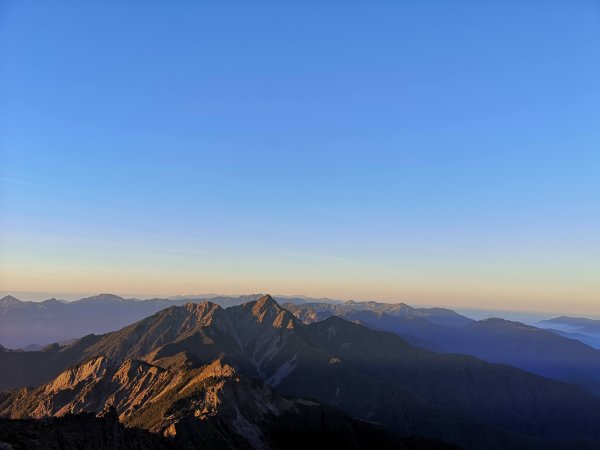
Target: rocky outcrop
x: 209, y: 407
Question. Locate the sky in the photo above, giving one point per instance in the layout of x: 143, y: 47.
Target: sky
x: 436, y: 153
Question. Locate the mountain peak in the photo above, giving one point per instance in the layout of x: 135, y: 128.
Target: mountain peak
x: 9, y: 300
x: 267, y: 310
x: 203, y: 311
x: 264, y: 303
x: 52, y: 303
x: 102, y: 298
x: 252, y: 320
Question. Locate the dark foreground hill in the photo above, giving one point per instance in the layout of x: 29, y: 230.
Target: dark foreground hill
x: 371, y: 375
x: 76, y: 432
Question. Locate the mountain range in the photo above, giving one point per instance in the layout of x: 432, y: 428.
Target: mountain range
x: 580, y: 328
x: 371, y: 375
x: 495, y: 340
x: 33, y: 325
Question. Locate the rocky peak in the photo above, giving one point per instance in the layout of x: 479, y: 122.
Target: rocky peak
x: 265, y: 312
x: 218, y: 369
x: 205, y: 314
x: 93, y: 370
x: 181, y: 319
x: 204, y: 311
x: 265, y: 308
x: 263, y: 305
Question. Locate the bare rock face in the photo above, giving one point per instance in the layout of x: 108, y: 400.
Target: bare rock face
x: 207, y: 407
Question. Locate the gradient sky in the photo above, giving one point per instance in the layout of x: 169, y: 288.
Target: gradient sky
x: 441, y: 153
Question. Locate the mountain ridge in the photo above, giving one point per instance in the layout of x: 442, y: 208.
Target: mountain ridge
x: 34, y: 324
x: 372, y: 375
x: 209, y: 407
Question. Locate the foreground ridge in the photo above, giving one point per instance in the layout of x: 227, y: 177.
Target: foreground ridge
x: 208, y: 407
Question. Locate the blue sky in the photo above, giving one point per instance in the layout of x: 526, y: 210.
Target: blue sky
x: 431, y: 152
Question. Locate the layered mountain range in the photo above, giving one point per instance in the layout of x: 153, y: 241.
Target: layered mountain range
x: 202, y: 362
x: 580, y: 328
x: 33, y: 325
x: 496, y: 340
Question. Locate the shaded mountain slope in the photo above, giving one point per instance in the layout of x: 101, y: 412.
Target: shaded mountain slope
x: 462, y: 398
x: 208, y: 407
x: 37, y: 367
x: 530, y: 348
x: 496, y: 340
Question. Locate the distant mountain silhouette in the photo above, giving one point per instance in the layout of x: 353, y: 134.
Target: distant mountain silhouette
x: 439, y: 316
x: 580, y: 328
x: 371, y: 375
x: 36, y: 324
